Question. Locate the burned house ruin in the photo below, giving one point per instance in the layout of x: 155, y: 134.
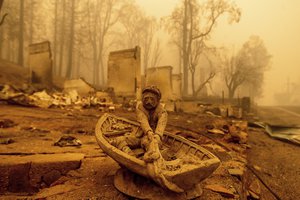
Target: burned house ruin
x: 124, y: 72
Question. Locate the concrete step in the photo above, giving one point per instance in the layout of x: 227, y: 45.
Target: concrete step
x: 29, y: 173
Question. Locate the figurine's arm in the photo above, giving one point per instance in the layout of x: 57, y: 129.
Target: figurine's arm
x: 162, y: 123
x: 143, y: 120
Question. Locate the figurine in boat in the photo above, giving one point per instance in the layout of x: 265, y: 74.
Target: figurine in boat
x: 145, y: 148
x: 153, y: 120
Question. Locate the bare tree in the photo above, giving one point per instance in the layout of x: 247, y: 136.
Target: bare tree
x: 247, y: 66
x: 62, y: 38
x: 65, y: 35
x: 194, y: 62
x: 156, y: 55
x: 102, y: 16
x: 141, y: 30
x: 193, y: 21
x: 132, y: 24
x: 10, y: 31
x: 55, y: 40
x: 147, y: 43
x: 21, y: 34
x: 198, y: 50
x: 71, y: 42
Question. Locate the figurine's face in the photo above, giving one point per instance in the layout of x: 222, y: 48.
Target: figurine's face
x: 150, y: 100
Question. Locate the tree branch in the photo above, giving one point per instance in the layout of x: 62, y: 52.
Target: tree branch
x: 213, y: 21
x: 211, y: 76
x: 2, y: 20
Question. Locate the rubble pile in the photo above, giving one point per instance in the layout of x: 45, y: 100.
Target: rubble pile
x: 43, y: 99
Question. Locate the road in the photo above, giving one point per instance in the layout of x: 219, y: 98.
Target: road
x: 279, y: 115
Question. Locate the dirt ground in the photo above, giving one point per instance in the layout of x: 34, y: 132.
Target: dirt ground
x: 278, y: 164
x: 36, y: 130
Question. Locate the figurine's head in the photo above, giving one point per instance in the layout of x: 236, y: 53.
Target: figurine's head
x: 151, y: 96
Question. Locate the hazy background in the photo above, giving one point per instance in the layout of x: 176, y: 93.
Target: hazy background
x: 80, y: 45
x: 276, y: 22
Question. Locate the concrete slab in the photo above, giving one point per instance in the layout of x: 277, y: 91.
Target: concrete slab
x: 30, y: 173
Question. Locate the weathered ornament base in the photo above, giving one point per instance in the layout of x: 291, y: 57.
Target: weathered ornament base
x: 140, y: 187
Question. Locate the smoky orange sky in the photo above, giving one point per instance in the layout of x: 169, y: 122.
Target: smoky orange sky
x: 276, y: 22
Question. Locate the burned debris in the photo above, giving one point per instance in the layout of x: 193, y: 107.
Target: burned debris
x: 43, y: 99
x: 68, y: 141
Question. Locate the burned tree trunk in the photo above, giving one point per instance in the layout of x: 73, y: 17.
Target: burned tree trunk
x: 71, y: 44
x: 21, y: 34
